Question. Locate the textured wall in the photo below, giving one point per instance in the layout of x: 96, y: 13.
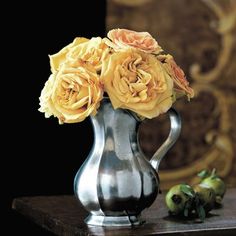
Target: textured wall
x: 201, y: 36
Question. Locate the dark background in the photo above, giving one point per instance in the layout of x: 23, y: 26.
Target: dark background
x: 41, y: 156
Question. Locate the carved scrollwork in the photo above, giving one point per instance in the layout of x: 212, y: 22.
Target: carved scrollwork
x: 220, y: 153
x: 224, y: 28
x: 209, y: 131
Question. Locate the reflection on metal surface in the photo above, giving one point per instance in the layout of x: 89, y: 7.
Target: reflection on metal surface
x: 116, y: 182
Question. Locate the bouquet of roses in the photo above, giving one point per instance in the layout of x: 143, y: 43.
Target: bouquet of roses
x: 129, y: 67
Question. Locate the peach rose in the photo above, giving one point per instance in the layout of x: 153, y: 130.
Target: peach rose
x: 137, y: 81
x: 72, y: 94
x: 181, y: 85
x: 123, y: 39
x: 56, y: 60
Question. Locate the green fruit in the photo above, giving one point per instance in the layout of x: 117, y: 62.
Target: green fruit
x: 217, y: 184
x: 206, y: 196
x: 179, y: 198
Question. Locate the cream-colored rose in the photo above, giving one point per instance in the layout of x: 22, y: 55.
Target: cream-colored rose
x: 123, y: 39
x: 44, y: 99
x: 56, y: 60
x: 137, y: 81
x: 181, y: 85
x: 73, y: 93
x: 95, y: 51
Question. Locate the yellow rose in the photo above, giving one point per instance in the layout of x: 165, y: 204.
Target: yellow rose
x: 72, y: 94
x: 137, y: 81
x: 56, y: 60
x: 94, y: 51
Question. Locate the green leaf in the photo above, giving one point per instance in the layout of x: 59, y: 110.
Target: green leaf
x: 201, y: 212
x: 188, y: 207
x: 188, y: 204
x: 196, y: 199
x: 186, y: 212
x: 203, y: 174
x: 186, y: 189
x: 214, y: 177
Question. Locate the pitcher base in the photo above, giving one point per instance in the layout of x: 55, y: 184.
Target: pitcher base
x: 113, y: 220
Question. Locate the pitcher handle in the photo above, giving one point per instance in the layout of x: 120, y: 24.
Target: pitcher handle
x: 175, y: 128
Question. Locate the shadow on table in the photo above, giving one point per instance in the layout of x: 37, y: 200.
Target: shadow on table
x: 187, y: 220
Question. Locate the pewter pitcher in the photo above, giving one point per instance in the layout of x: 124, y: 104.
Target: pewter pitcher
x: 116, y: 181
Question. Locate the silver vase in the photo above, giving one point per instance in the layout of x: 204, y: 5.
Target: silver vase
x: 116, y: 182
